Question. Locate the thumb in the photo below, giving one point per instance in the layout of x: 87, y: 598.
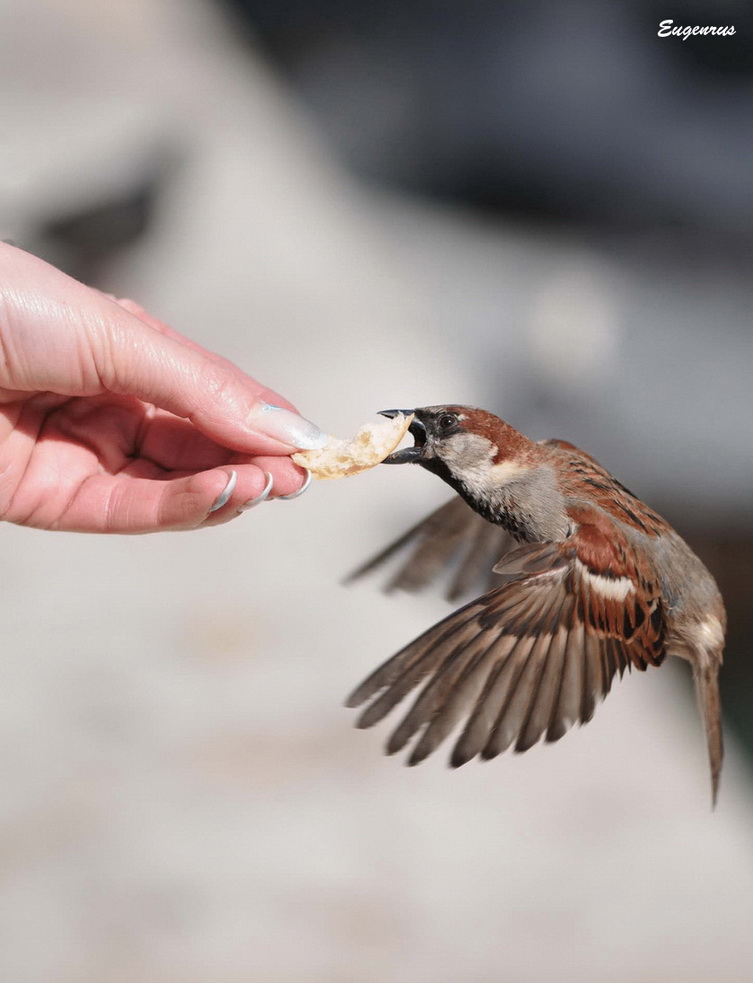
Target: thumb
x: 132, y: 358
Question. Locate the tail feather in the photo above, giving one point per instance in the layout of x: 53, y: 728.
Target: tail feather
x: 707, y: 691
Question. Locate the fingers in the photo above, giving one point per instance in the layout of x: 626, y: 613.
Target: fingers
x: 284, y: 481
x: 125, y: 504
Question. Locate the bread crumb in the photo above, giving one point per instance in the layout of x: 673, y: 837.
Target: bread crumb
x: 343, y: 458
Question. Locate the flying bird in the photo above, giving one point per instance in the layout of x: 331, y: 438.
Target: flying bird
x: 586, y: 582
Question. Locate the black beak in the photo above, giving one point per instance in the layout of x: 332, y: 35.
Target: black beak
x: 408, y: 455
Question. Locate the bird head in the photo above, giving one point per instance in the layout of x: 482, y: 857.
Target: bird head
x: 470, y: 449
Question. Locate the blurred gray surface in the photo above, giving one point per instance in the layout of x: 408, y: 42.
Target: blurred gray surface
x: 183, y: 796
x: 576, y: 110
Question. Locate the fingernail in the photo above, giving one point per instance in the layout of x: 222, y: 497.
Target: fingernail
x: 261, y: 497
x: 301, y: 490
x: 286, y: 426
x: 224, y: 498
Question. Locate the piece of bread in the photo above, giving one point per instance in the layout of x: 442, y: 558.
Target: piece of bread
x: 342, y: 458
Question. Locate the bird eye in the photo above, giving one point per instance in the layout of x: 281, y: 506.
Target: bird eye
x: 447, y: 421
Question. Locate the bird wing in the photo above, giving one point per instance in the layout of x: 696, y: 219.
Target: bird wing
x: 453, y: 538
x: 529, y: 658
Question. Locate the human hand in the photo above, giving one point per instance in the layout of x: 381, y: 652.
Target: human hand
x: 112, y: 422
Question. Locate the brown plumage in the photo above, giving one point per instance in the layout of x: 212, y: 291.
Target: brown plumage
x: 590, y: 582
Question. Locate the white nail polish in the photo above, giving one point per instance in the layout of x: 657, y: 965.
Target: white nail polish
x: 296, y: 494
x: 224, y: 496
x: 261, y: 497
x: 286, y: 426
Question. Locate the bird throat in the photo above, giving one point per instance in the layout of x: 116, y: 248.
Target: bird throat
x: 503, y: 510
x: 506, y: 513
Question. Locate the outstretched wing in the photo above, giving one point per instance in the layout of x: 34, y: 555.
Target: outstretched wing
x: 453, y: 538
x: 528, y: 659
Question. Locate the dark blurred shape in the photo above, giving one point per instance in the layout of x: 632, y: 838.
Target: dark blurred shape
x: 84, y: 241
x: 569, y: 112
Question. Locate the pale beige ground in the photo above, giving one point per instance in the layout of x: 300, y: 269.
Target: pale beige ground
x: 182, y: 797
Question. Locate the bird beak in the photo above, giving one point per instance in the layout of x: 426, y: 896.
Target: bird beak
x: 407, y: 455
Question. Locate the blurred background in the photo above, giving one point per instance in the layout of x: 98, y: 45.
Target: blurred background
x: 536, y: 207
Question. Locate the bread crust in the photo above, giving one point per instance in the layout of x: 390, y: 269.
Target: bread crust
x: 343, y: 458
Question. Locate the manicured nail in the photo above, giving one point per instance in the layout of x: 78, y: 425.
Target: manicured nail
x: 224, y: 498
x: 301, y: 490
x: 286, y: 426
x: 261, y: 497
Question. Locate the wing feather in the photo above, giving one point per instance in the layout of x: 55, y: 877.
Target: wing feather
x: 464, y: 694
x: 484, y: 546
x: 499, y: 682
x: 454, y: 661
x: 525, y: 661
x: 547, y: 689
x: 453, y: 538
x: 413, y: 660
x: 567, y: 711
x: 518, y: 698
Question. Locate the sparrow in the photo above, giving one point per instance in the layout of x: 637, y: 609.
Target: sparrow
x: 586, y: 582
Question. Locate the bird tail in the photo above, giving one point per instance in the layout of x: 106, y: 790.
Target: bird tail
x: 706, y: 676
